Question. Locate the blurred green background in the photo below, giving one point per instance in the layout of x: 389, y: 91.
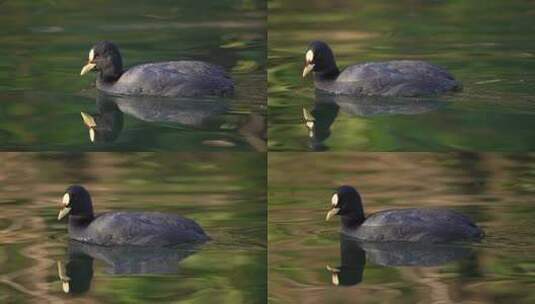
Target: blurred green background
x: 223, y: 192
x: 488, y: 45
x: 45, y: 44
x: 495, y: 190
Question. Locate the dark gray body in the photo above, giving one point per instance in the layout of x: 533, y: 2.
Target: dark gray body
x: 416, y: 225
x: 171, y: 79
x: 391, y: 78
x: 136, y: 229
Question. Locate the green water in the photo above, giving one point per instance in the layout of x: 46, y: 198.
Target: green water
x: 224, y: 193
x: 45, y: 44
x: 495, y: 190
x: 488, y: 45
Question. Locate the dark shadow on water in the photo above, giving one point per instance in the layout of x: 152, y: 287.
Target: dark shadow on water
x: 107, y: 123
x: 352, y: 262
x: 353, y: 255
x: 327, y: 107
x: 77, y: 274
x: 318, y: 122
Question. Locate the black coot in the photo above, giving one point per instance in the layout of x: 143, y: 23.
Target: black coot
x: 389, y: 78
x: 124, y: 228
x: 169, y: 79
x: 432, y: 225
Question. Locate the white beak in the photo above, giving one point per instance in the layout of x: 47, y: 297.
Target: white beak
x: 65, y: 287
x: 89, y: 121
x: 334, y: 279
x: 334, y: 275
x: 308, y: 68
x: 88, y: 67
x: 64, y: 278
x: 63, y: 212
x: 331, y: 213
x: 92, y: 135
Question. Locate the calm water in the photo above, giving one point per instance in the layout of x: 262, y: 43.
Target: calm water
x: 225, y: 193
x: 45, y: 44
x: 487, y: 45
x: 495, y: 190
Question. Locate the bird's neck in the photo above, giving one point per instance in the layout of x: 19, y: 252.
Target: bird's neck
x: 77, y: 221
x: 330, y: 74
x: 351, y: 221
x: 109, y: 76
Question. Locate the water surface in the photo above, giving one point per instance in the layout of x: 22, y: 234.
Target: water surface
x: 495, y: 190
x: 224, y: 193
x: 45, y: 44
x: 487, y: 45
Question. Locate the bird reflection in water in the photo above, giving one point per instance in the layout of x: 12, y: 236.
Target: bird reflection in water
x: 107, y: 122
x: 354, y: 253
x: 326, y: 108
x: 77, y: 273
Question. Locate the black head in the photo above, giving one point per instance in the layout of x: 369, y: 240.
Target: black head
x: 105, y: 58
x: 76, y: 201
x: 320, y: 58
x: 347, y: 203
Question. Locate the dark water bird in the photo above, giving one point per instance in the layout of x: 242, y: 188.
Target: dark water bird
x: 390, y: 78
x: 326, y: 108
x: 77, y: 273
x: 106, y: 124
x: 354, y: 253
x: 124, y: 228
x: 165, y: 79
x: 430, y: 225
